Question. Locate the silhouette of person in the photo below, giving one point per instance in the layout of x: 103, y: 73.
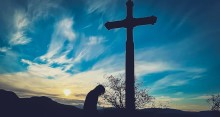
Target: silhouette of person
x: 90, y: 105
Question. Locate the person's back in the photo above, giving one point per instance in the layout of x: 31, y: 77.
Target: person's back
x: 90, y: 105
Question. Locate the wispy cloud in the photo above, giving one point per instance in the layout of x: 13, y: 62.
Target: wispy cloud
x: 111, y: 64
x: 63, y: 32
x: 64, y: 29
x: 4, y: 49
x: 99, y: 6
x: 107, y: 8
x: 170, y: 80
x: 175, y: 80
x: 41, y: 9
x: 21, y: 22
x: 178, y: 93
x: 148, y: 67
x: 44, y: 70
x: 95, y: 40
x: 63, y: 44
x: 202, y: 97
x: 90, y: 48
x: 168, y: 99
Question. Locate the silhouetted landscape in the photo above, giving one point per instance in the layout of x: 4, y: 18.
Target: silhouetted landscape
x: 13, y: 106
x: 167, y: 54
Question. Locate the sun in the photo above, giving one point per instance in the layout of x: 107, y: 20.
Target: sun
x: 67, y: 92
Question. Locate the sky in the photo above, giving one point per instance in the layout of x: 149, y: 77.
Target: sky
x: 61, y: 49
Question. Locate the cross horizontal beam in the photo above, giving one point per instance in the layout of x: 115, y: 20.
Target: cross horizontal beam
x: 130, y: 23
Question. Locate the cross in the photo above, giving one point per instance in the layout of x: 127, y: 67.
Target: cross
x: 129, y: 23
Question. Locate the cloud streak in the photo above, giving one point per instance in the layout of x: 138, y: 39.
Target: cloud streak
x: 4, y: 49
x: 63, y: 43
x: 58, y: 51
x: 25, y: 17
x: 21, y: 23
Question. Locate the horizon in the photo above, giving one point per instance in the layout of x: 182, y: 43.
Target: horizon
x: 61, y: 49
x: 99, y: 107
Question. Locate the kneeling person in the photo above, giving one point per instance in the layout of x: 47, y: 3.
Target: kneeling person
x: 90, y: 104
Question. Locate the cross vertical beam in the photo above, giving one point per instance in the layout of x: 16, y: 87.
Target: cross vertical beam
x: 129, y: 23
x: 129, y: 66
x: 129, y: 69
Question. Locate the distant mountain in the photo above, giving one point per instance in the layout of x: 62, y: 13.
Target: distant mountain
x: 13, y: 106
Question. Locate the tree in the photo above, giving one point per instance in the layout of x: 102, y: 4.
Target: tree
x: 115, y: 93
x: 214, y: 101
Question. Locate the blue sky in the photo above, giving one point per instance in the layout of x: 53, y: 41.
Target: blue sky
x: 47, y: 46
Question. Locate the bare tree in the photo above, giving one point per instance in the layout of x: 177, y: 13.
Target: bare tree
x: 115, y: 93
x: 214, y: 101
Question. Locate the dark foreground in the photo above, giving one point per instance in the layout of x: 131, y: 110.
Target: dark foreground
x: 13, y: 106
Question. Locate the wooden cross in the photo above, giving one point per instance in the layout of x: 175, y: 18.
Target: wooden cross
x: 129, y: 23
